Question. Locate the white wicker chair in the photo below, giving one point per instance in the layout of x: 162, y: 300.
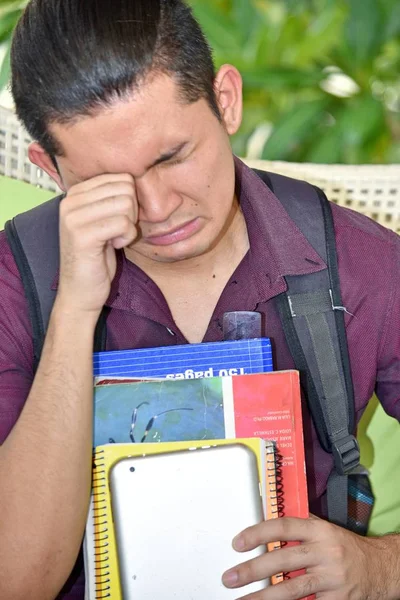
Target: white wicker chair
x: 373, y: 190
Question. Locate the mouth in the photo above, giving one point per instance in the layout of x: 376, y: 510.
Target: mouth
x: 173, y: 236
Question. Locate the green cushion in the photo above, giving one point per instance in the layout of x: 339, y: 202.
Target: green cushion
x: 379, y: 437
x: 18, y: 196
x: 378, y: 434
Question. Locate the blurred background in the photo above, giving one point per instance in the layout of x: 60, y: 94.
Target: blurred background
x: 321, y: 77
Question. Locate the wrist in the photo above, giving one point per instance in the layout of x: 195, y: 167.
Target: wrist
x: 387, y: 554
x: 71, y: 321
x: 66, y: 313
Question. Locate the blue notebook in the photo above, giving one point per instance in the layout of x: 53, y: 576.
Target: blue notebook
x: 189, y: 361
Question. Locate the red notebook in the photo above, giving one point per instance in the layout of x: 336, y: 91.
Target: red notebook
x: 269, y: 406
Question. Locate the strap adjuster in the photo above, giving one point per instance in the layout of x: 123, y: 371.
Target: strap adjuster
x: 346, y: 454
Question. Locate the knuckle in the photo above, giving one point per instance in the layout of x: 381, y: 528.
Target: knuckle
x: 254, y: 536
x: 130, y: 185
x: 303, y: 586
x: 339, y: 566
x: 65, y: 207
x: 69, y: 221
x: 311, y: 585
x: 286, y: 527
x: 127, y: 177
x: 324, y: 526
x: 126, y: 188
x: 125, y: 202
x: 302, y: 549
x: 125, y: 224
x: 246, y: 572
x: 338, y: 553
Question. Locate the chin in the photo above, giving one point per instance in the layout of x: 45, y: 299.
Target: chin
x: 174, y: 257
x: 175, y: 254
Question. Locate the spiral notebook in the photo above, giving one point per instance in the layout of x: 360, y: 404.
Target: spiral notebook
x: 103, y: 571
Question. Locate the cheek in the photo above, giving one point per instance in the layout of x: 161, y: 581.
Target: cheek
x: 191, y: 183
x: 207, y: 182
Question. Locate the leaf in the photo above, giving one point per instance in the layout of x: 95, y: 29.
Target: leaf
x: 7, y: 24
x: 281, y: 78
x: 9, y: 5
x: 298, y: 6
x: 245, y: 16
x: 321, y: 37
x: 218, y: 27
x: 364, y: 31
x: 360, y: 120
x: 326, y: 149
x: 5, y: 69
x: 357, y: 130
x: 393, y: 21
x: 294, y: 128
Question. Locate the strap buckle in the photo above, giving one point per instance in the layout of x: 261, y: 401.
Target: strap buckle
x: 346, y: 454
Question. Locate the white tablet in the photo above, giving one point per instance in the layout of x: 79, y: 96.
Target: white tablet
x: 175, y: 517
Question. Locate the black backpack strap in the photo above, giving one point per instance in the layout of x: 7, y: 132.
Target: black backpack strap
x: 33, y: 238
x: 34, y: 241
x: 312, y: 316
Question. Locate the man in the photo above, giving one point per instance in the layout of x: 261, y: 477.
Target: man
x: 162, y: 225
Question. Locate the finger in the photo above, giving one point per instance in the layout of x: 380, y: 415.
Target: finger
x: 99, y: 233
x: 100, y: 180
x: 292, y: 589
x: 108, y: 190
x: 122, y: 242
x: 100, y: 210
x: 286, y: 529
x: 269, y: 564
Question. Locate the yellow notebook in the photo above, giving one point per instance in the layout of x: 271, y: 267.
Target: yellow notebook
x: 101, y: 558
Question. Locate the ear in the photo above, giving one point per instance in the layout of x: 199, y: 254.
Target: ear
x: 39, y: 157
x: 228, y: 89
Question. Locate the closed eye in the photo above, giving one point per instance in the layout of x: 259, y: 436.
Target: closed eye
x: 174, y: 161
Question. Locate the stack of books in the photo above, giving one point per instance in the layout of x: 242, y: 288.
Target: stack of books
x: 188, y: 401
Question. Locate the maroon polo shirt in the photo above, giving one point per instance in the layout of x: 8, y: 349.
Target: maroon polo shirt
x: 369, y: 267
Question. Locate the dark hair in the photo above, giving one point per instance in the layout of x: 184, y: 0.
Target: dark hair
x: 70, y: 58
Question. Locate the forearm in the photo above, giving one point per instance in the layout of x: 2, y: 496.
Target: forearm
x: 45, y: 466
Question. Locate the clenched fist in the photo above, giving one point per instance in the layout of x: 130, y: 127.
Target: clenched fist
x: 97, y: 217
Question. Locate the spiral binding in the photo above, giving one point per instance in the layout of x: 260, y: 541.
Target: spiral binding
x: 101, y: 551
x: 280, y: 500
x: 275, y: 493
x: 280, y: 504
x: 273, y: 476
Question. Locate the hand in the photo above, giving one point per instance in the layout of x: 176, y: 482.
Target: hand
x: 96, y: 218
x: 340, y: 565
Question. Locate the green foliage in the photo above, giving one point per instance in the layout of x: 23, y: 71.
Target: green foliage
x: 321, y: 77
x: 10, y: 12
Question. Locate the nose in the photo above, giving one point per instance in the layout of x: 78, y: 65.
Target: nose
x: 157, y: 201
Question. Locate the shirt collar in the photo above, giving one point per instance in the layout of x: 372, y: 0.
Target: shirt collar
x: 277, y: 247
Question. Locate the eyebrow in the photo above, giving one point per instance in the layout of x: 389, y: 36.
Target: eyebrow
x: 168, y: 155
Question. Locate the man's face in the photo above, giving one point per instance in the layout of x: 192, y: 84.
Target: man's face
x: 181, y: 161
